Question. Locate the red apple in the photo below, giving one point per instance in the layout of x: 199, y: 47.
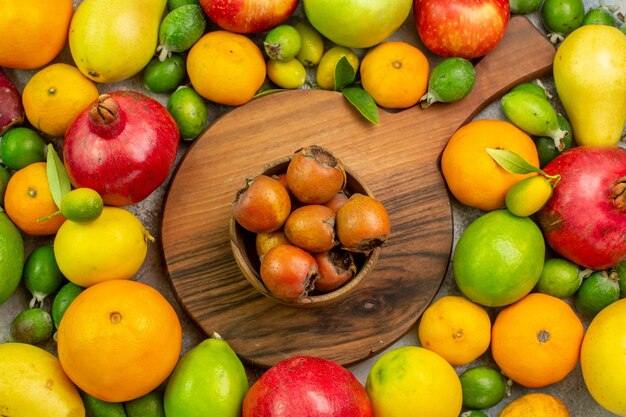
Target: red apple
x: 307, y: 386
x: 248, y: 16
x: 461, y: 28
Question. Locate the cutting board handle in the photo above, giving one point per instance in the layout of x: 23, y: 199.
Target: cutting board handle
x: 523, y: 54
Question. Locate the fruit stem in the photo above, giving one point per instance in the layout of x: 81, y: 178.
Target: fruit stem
x: 618, y: 193
x: 43, y: 219
x: 557, y: 136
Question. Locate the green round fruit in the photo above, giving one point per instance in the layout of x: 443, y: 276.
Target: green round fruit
x: 173, y: 4
x: 286, y: 74
x: 620, y: 270
x: 20, y: 147
x: 482, y: 387
x: 62, y: 301
x: 597, y: 291
x: 189, y: 111
x: 562, y: 16
x: 164, y: 76
x: 149, y: 405
x: 32, y: 326
x: 312, y: 47
x: 498, y: 258
x: 180, y: 29
x: 451, y: 80
x: 546, y: 148
x: 282, y: 43
x: 41, y: 273
x: 559, y: 278
x: 524, y: 6
x: 95, y: 407
x: 11, y: 257
x: 4, y: 180
x: 82, y: 205
x: 599, y: 16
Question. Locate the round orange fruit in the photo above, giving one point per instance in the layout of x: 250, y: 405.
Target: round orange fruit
x: 472, y: 175
x: 119, y: 340
x: 535, y: 404
x: 536, y: 341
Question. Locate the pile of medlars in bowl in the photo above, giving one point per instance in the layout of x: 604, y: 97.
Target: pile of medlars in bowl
x: 308, y: 226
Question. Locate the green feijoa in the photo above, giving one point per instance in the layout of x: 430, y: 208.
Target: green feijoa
x: 559, y: 278
x: 282, y: 43
x: 599, y: 16
x: 95, y: 407
x: 165, y: 76
x: 286, y: 74
x: 472, y: 413
x: 547, y: 150
x: 533, y: 115
x: 149, y: 405
x: 623, y: 28
x: 4, y: 180
x: 451, y: 80
x: 180, y: 29
x: 524, y: 6
x: 22, y: 146
x: 620, y: 270
x: 312, y: 47
x: 189, y: 111
x: 11, y: 257
x: 32, y: 326
x: 41, y: 275
x: 174, y: 4
x: 531, y: 88
x: 595, y: 293
x: 562, y: 17
x: 62, y: 301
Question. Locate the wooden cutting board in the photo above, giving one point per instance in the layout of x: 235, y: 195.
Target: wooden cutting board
x: 397, y: 159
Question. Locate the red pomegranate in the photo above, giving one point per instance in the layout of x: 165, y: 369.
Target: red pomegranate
x: 307, y: 386
x: 123, y: 146
x: 585, y: 219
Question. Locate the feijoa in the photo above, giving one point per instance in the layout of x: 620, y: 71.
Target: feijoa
x: 4, y: 180
x: 547, y: 150
x: 524, y: 6
x: 165, y: 76
x: 449, y: 81
x: 531, y: 87
x: 41, y: 275
x: 189, y: 111
x: 620, y: 270
x: 62, y: 301
x: 562, y: 17
x: 173, y: 4
x: 312, y: 47
x: 32, y: 326
x: 282, y: 43
x: 180, y: 29
x: 599, y: 16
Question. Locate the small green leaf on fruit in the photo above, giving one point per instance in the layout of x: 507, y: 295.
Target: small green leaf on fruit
x: 364, y: 103
x: 512, y: 162
x: 57, y: 176
x: 344, y: 74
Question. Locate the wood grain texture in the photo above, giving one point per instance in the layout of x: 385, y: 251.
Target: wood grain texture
x: 397, y: 159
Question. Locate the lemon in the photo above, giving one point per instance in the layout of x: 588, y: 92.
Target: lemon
x: 413, y: 381
x: 328, y: 63
x: 54, y: 96
x: 111, y: 247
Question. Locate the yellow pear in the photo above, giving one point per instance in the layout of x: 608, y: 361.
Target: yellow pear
x: 112, y: 40
x: 590, y: 77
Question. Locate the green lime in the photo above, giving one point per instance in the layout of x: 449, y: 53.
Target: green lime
x: 312, y: 47
x: 4, y: 180
x: 149, y: 405
x: 620, y: 270
x: 63, y: 299
x: 562, y: 16
x: 595, y: 293
x: 559, y: 278
x: 190, y: 112
x: 82, y: 205
x: 482, y: 387
x: 173, y: 4
x: 32, y: 326
x: 286, y: 74
x: 472, y: 413
x: 282, y: 43
x: 164, y: 76
x: 599, y: 16
x: 524, y: 6
x: 11, y: 257
x: 95, y: 407
x: 546, y: 148
x: 528, y: 196
x: 180, y: 29
x: 498, y: 258
x: 536, y: 89
x: 41, y: 273
x: 22, y: 146
x: 451, y: 80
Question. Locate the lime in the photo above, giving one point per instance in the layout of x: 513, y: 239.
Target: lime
x: 451, y: 80
x: 562, y: 16
x: 599, y: 16
x: 4, y: 180
x: 326, y: 68
x: 528, y: 196
x: 498, y: 258
x: 595, y: 293
x: 620, y: 269
x: 22, y: 146
x: 180, y: 29
x: 546, y: 148
x: 286, y: 74
x: 533, y: 88
x: 32, y: 326
x: 11, y: 257
x: 62, y: 301
x: 149, y: 405
x: 164, y: 76
x: 472, y: 413
x: 82, y: 205
x: 190, y: 112
x: 524, y: 6
x: 41, y: 273
x: 283, y: 43
x: 559, y: 278
x: 483, y: 387
x: 173, y: 4
x: 95, y: 407
x: 312, y: 47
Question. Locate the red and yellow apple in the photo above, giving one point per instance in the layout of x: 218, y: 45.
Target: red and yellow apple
x: 248, y: 16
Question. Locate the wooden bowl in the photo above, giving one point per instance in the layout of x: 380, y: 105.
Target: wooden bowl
x: 243, y: 246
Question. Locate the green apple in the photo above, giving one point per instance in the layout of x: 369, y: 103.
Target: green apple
x: 357, y: 23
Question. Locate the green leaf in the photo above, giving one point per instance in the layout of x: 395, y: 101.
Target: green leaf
x: 512, y: 162
x: 364, y: 103
x: 268, y: 92
x: 344, y: 74
x: 57, y: 176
